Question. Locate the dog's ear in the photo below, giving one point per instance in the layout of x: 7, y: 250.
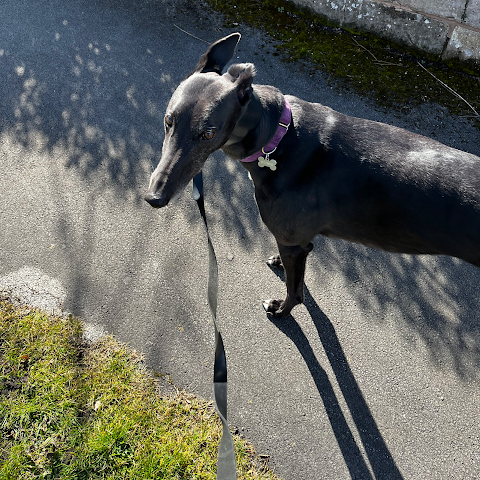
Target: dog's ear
x: 218, y: 54
x: 242, y: 75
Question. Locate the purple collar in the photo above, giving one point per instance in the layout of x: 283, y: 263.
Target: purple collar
x: 282, y: 129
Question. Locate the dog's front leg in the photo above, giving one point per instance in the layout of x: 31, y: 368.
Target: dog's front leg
x: 293, y: 260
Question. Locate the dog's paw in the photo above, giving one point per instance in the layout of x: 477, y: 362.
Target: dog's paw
x: 275, y: 261
x: 274, y: 308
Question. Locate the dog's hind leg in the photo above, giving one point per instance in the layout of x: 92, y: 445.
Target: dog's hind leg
x: 293, y: 260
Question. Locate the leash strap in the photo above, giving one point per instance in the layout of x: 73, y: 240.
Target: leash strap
x: 226, y: 467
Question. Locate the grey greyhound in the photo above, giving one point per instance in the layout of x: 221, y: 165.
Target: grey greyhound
x: 328, y: 173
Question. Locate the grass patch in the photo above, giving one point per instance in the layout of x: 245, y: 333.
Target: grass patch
x: 74, y: 411
x: 387, y: 72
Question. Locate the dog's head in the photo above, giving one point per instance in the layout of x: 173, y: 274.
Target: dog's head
x: 200, y: 117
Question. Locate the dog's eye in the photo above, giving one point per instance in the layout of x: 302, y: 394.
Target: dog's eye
x: 208, y: 134
x: 168, y: 121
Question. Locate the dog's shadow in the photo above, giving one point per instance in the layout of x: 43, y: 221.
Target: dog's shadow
x: 379, y: 457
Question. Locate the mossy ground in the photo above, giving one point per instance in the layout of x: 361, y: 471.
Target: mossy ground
x: 373, y: 67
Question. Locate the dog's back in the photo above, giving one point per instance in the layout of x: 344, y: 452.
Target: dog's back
x: 375, y: 184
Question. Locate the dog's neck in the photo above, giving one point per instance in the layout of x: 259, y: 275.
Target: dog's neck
x: 271, y: 103
x: 248, y: 122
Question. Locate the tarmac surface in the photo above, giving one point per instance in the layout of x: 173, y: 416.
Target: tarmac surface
x: 375, y: 377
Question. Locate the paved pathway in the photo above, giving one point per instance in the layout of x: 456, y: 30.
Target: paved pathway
x: 377, y: 376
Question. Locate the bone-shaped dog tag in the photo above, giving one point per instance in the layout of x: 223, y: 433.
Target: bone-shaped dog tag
x: 266, y: 162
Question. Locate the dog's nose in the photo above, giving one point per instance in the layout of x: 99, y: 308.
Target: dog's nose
x: 154, y: 200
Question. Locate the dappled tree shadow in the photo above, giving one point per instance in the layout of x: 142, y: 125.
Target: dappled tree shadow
x: 93, y: 106
x: 435, y: 298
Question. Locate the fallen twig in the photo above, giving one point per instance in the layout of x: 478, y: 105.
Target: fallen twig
x: 143, y: 68
x: 184, y: 31
x: 375, y: 59
x: 366, y: 49
x: 386, y: 64
x: 451, y: 90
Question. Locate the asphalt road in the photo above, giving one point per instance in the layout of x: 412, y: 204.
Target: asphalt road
x: 375, y: 377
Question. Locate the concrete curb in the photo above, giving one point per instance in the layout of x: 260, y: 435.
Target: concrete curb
x: 31, y: 287
x: 446, y: 29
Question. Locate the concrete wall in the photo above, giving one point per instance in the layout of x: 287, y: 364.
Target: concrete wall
x: 447, y: 29
x: 453, y: 9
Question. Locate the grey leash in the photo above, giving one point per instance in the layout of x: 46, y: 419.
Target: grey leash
x: 226, y: 467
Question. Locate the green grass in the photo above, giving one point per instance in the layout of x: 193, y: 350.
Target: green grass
x: 74, y: 411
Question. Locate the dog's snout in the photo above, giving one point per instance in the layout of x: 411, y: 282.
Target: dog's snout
x: 155, y: 195
x: 155, y: 200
